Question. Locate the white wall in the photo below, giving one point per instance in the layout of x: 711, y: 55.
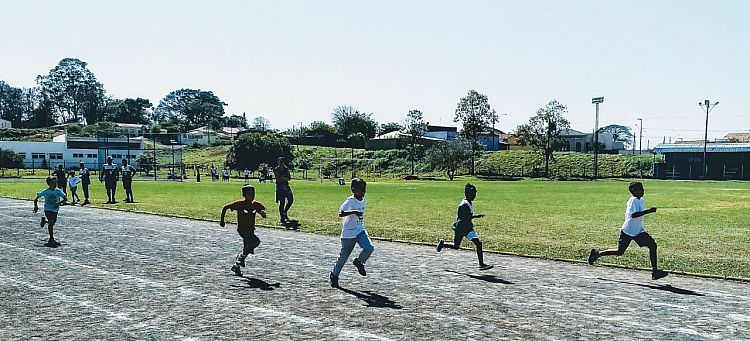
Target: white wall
x: 68, y: 158
x: 5, y: 123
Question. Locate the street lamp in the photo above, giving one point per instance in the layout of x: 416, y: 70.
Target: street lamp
x: 596, y: 101
x: 707, y: 106
x: 171, y: 145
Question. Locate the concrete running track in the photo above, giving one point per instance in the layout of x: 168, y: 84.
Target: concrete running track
x: 124, y: 276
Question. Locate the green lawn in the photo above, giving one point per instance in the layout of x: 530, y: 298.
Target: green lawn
x: 701, y: 227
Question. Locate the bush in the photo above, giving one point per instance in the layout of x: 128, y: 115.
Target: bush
x: 251, y: 150
x: 9, y: 159
x: 566, y: 165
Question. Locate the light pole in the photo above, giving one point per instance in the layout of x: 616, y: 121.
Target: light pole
x: 596, y: 101
x: 707, y: 106
x: 640, y: 144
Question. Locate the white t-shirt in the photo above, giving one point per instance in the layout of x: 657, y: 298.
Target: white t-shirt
x: 633, y: 226
x: 246, y: 172
x: 73, y: 181
x: 352, y: 225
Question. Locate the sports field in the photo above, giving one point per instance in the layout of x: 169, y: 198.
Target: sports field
x: 130, y: 276
x: 701, y: 227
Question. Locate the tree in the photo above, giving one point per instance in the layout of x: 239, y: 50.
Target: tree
x: 475, y: 114
x: 543, y: 131
x: 619, y: 134
x: 349, y: 120
x: 11, y: 104
x: 261, y: 123
x: 146, y: 161
x: 319, y: 129
x: 303, y: 159
x: 389, y: 127
x: 129, y: 110
x: 415, y: 127
x: 9, y: 159
x: 190, y: 108
x: 236, y: 121
x: 251, y: 150
x: 73, y: 92
x: 449, y: 156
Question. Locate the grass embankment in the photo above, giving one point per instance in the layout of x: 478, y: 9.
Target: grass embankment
x: 701, y: 227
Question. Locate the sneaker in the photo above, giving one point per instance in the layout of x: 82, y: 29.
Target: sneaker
x: 86, y: 202
x: 44, y: 221
x: 593, y: 256
x: 360, y: 267
x: 334, y: 280
x: 440, y: 245
x: 657, y: 274
x: 52, y: 243
x: 240, y: 260
x: 486, y: 267
x: 236, y: 269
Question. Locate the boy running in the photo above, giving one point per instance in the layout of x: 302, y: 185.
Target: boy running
x: 85, y: 182
x: 127, y: 172
x: 62, y: 178
x: 246, y: 210
x: 53, y: 197
x: 73, y: 182
x: 464, y: 226
x: 353, y: 232
x: 110, y: 174
x: 633, y: 229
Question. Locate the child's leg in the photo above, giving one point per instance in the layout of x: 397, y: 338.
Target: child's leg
x: 644, y: 239
x: 622, y: 245
x: 51, y: 220
x: 251, y: 242
x: 282, y: 202
x: 367, y: 248
x: 289, y: 201
x: 347, y: 245
x: 480, y: 254
x: 86, y: 192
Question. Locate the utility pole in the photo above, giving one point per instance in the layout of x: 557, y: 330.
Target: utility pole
x: 640, y: 143
x: 596, y: 101
x: 707, y: 106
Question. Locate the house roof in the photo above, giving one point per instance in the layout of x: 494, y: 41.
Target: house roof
x: 397, y: 135
x: 698, y: 148
x: 433, y: 128
x: 743, y: 137
x: 572, y: 132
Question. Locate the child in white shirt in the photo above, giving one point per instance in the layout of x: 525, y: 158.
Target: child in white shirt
x: 73, y: 182
x: 353, y: 231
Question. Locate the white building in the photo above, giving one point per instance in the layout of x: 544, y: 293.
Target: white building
x: 69, y: 151
x: 5, y: 124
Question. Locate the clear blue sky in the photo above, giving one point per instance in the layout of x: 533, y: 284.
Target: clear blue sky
x: 293, y: 61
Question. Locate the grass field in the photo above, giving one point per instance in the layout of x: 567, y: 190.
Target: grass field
x: 701, y: 227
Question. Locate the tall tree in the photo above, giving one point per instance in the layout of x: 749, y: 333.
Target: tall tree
x: 261, y: 123
x: 349, y: 120
x: 619, y: 134
x: 544, y: 130
x: 191, y: 108
x: 129, y: 110
x: 415, y: 127
x: 236, y: 121
x: 11, y: 104
x: 73, y: 92
x: 319, y: 129
x: 449, y: 156
x: 386, y: 128
x: 475, y: 114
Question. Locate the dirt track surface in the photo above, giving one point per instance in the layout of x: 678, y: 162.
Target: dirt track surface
x: 124, y: 275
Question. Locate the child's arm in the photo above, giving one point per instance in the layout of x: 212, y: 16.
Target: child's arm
x: 36, y: 204
x: 643, y: 213
x: 348, y: 213
x: 478, y: 216
x: 262, y: 213
x: 223, y: 213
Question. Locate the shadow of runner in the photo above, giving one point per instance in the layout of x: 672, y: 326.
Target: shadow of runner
x: 486, y: 278
x: 372, y: 299
x: 254, y: 283
x: 665, y: 287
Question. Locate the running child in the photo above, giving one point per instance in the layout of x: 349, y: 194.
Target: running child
x: 633, y: 229
x: 464, y: 226
x: 127, y: 172
x: 53, y: 198
x: 353, y: 232
x: 62, y: 178
x: 73, y: 182
x: 246, y: 209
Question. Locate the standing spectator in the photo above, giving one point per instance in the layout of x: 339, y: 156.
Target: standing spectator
x: 85, y: 181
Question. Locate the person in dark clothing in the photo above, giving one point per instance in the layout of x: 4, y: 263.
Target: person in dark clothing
x: 284, y: 195
x: 110, y: 174
x: 464, y: 226
x: 62, y: 178
x: 85, y: 175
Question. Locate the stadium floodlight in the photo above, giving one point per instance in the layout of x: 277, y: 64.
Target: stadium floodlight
x: 707, y: 106
x: 596, y: 101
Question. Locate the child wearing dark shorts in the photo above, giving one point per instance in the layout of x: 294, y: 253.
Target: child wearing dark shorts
x: 246, y: 209
x: 53, y: 197
x: 464, y: 226
x: 632, y: 230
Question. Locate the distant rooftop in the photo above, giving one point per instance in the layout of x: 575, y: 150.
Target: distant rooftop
x: 698, y: 148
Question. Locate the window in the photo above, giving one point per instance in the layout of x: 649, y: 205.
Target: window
x: 91, y: 156
x: 22, y: 155
x: 78, y: 156
x: 117, y: 156
x: 37, y: 156
x: 55, y: 156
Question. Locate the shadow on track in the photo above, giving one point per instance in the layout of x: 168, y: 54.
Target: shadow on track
x: 254, y: 283
x: 486, y: 278
x: 666, y: 287
x: 372, y: 299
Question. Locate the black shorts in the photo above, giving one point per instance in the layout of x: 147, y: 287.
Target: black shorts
x: 643, y: 239
x: 127, y: 184
x: 51, y: 217
x: 283, y: 191
x: 110, y: 184
x: 249, y: 238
